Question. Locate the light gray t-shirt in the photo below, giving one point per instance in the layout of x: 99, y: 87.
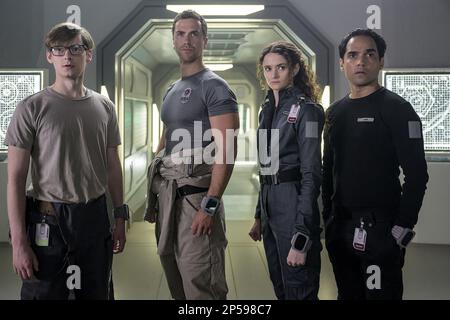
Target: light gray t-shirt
x: 68, y: 140
x: 191, y: 99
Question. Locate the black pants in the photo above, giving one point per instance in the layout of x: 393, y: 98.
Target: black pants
x: 79, y: 236
x: 355, y: 271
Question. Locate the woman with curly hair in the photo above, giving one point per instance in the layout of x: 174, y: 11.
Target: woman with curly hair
x: 289, y: 148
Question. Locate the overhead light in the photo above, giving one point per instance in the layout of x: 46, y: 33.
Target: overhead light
x: 217, y: 10
x: 326, y: 97
x: 104, y: 91
x: 219, y: 66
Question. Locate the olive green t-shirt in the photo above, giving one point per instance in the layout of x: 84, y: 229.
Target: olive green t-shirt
x: 68, y: 141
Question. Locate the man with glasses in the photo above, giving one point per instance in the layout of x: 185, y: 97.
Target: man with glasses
x: 60, y: 229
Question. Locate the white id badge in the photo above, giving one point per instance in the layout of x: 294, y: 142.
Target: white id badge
x: 359, y: 239
x: 42, y: 234
x: 293, y: 114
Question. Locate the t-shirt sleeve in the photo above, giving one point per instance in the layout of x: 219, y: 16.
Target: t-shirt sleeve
x: 219, y: 98
x: 113, y: 139
x: 21, y: 130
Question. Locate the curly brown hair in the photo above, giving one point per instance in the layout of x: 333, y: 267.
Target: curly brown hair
x: 305, y: 79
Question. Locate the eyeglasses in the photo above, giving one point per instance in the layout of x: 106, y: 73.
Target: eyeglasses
x: 75, y: 50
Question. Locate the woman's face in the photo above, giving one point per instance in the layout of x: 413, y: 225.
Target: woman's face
x: 276, y: 71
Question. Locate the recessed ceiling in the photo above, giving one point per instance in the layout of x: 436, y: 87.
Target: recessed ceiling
x: 226, y: 45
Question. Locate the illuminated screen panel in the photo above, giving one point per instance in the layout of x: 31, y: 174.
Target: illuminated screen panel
x: 429, y: 94
x: 14, y: 87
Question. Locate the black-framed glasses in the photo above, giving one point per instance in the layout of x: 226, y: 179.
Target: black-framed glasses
x: 75, y: 49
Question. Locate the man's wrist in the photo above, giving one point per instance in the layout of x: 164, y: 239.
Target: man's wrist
x: 122, y: 212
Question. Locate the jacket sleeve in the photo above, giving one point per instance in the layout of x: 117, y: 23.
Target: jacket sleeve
x: 309, y: 132
x: 327, y: 170
x: 406, y: 130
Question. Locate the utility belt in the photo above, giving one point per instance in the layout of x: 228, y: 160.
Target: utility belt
x: 288, y: 175
x: 188, y: 190
x: 369, y: 213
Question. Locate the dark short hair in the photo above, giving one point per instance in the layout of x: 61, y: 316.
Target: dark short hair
x: 191, y: 14
x: 65, y: 32
x: 379, y: 41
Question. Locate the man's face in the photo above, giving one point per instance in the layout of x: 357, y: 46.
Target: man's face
x: 188, y: 40
x: 70, y: 66
x: 361, y: 63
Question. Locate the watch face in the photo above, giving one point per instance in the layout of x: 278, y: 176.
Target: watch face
x: 407, y: 238
x: 300, y: 242
x: 211, y: 204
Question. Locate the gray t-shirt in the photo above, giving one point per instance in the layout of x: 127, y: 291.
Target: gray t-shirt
x: 189, y: 103
x: 68, y: 140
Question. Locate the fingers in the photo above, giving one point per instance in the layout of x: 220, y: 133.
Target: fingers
x: 199, y: 229
x: 255, y: 235
x: 255, y: 231
x: 296, y: 263
x: 201, y: 225
x: 118, y: 242
x: 194, y: 227
x: 26, y: 272
x: 118, y: 246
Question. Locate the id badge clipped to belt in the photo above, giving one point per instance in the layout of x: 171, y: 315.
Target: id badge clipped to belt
x: 359, y: 238
x: 42, y: 234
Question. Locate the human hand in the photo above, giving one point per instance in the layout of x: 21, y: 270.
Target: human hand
x: 255, y: 231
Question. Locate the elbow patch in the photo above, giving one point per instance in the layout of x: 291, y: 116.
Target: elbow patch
x: 414, y: 130
x: 312, y: 129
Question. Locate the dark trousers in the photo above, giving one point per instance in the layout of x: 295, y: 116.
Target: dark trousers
x: 278, y: 218
x: 375, y: 273
x: 79, y: 236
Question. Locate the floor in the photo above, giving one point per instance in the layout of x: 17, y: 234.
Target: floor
x: 138, y: 273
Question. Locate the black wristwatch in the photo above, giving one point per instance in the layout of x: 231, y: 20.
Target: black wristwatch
x: 405, y: 238
x: 301, y: 242
x: 122, y: 212
x: 210, y: 205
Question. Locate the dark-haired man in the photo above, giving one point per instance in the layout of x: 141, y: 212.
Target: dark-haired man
x: 190, y: 223
x: 369, y: 216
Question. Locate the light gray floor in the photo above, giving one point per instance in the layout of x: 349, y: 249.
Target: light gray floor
x: 138, y: 273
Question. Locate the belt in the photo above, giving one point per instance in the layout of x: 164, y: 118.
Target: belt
x: 187, y: 190
x: 288, y: 175
x: 376, y: 214
x: 47, y: 208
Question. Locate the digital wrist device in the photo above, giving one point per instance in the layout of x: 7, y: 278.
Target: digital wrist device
x: 403, y: 236
x: 210, y: 205
x: 122, y: 212
x: 301, y: 242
